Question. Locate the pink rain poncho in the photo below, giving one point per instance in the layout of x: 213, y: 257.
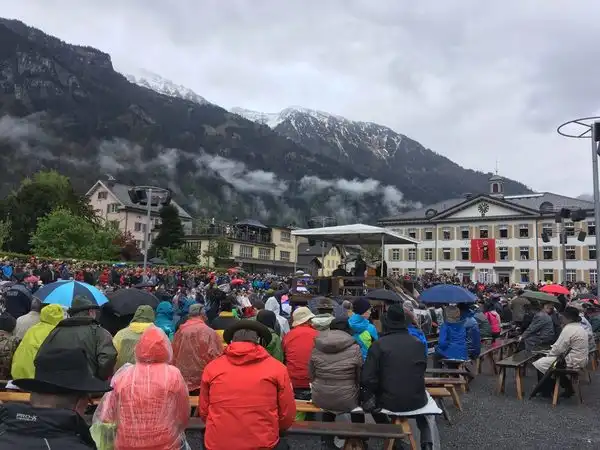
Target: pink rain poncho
x: 194, y: 346
x: 148, y: 407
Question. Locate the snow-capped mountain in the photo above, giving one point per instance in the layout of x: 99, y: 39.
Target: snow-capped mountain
x: 161, y: 85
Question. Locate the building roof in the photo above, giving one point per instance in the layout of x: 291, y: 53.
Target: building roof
x: 356, y: 233
x: 542, y: 202
x: 120, y: 191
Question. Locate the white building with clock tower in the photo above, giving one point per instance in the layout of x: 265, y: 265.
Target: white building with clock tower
x: 494, y: 237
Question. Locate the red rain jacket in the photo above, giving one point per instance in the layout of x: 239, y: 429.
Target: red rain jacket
x: 297, y: 348
x: 246, y: 397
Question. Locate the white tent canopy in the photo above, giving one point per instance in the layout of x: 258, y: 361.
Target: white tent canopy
x: 358, y: 234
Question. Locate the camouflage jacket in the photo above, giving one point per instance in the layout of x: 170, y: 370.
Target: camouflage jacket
x: 8, y: 345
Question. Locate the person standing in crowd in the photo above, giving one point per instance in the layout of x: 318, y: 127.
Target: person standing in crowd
x: 269, y: 319
x: 471, y: 330
x: 8, y: 344
x: 518, y: 308
x: 364, y: 332
x: 493, y: 318
x: 334, y: 370
x: 60, y: 393
x: 226, y: 318
x: 397, y: 356
x: 25, y: 322
x: 360, y: 267
x: 194, y: 346
x: 452, y: 343
x: 572, y: 344
x: 149, y: 404
x: 81, y: 330
x: 164, y: 318
x: 127, y: 338
x: 283, y: 326
x: 485, y: 329
x: 297, y: 348
x: 246, y: 389
x: 540, y: 332
x: 22, y: 364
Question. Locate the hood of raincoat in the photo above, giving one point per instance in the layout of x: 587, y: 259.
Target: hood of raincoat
x: 144, y: 314
x: 153, y: 347
x: 241, y: 353
x: 333, y: 341
x: 164, y: 311
x: 52, y: 314
x: 185, y: 308
x: 358, y: 323
x: 321, y: 322
x: 273, y: 305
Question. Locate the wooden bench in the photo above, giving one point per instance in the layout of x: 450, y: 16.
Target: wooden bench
x: 450, y: 384
x: 496, y: 348
x: 434, y: 371
x: 593, y: 359
x: 518, y: 361
x: 457, y: 364
x: 573, y: 375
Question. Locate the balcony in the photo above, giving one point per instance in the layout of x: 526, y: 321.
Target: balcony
x: 235, y: 232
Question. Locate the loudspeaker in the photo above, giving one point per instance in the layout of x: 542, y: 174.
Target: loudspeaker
x: 312, y: 242
x: 565, y: 213
x: 545, y: 237
x: 577, y: 215
x: 596, y: 132
x: 581, y: 236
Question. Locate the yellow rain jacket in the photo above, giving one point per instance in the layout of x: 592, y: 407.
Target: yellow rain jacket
x: 127, y: 338
x: 22, y: 363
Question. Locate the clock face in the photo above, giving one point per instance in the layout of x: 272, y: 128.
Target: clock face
x: 483, y: 208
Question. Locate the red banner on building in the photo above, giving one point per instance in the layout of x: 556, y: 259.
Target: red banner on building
x: 483, y: 250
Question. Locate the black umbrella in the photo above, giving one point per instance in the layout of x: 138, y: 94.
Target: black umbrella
x: 17, y: 300
x: 385, y: 295
x: 126, y: 301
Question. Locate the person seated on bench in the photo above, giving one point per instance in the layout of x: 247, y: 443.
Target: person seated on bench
x: 492, y: 316
x: 485, y: 329
x: 334, y: 371
x: 453, y: 338
x: 540, y: 332
x: 471, y: 330
x: 246, y: 396
x: 586, y: 325
x: 396, y: 356
x: 8, y: 344
x: 413, y: 329
x: 364, y: 332
x: 573, y: 344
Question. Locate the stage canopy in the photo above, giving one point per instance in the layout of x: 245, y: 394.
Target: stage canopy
x: 357, y: 233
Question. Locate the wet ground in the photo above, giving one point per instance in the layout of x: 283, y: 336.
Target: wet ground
x: 494, y: 422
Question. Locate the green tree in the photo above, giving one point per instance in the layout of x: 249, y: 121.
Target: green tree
x: 5, y: 228
x: 170, y: 230
x: 371, y: 253
x: 65, y: 234
x: 178, y: 255
x: 35, y: 198
x: 219, y: 249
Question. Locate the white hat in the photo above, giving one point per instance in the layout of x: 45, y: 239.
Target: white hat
x: 301, y: 315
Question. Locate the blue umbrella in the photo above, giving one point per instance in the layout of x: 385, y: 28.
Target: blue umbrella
x: 447, y: 293
x: 63, y: 292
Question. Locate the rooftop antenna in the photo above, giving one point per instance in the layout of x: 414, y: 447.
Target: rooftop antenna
x: 497, y: 164
x: 109, y: 177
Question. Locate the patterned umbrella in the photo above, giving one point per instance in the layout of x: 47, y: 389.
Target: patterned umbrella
x: 63, y: 292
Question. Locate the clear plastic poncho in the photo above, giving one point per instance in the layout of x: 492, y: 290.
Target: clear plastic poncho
x: 148, y: 407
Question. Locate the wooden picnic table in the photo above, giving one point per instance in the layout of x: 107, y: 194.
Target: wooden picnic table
x: 518, y: 362
x: 497, y: 347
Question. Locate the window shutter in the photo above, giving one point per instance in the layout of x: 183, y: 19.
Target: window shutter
x: 389, y: 257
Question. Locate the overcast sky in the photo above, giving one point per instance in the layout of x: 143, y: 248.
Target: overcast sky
x: 473, y: 80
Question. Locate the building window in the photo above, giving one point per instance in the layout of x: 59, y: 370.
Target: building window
x: 484, y: 275
x: 395, y: 272
x: 524, y: 230
x: 412, y: 254
x: 428, y: 234
x: 428, y: 254
x: 284, y: 256
x: 593, y: 276
x: 447, y: 254
x: 483, y: 232
x: 102, y: 195
x: 570, y: 228
x: 503, y: 253
x: 464, y: 253
x: 246, y: 251
x: 286, y: 236
x: 412, y: 272
x: 548, y: 228
x: 112, y: 208
x: 548, y: 275
x: 264, y: 253
x: 139, y: 227
x: 395, y: 254
x: 592, y: 252
x: 524, y: 253
x: 548, y: 253
x: 140, y: 244
x: 114, y: 224
x: 524, y: 273
x: 446, y: 234
x: 571, y: 275
x: 464, y: 232
x: 503, y: 231
x: 591, y: 228
x: 570, y: 252
x: 412, y: 233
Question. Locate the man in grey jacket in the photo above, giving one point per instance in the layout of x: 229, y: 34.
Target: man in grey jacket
x: 540, y: 333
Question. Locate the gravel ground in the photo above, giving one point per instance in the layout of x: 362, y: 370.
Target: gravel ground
x: 489, y: 421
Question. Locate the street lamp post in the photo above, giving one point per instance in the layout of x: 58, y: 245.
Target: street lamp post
x: 588, y: 128
x: 149, y: 196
